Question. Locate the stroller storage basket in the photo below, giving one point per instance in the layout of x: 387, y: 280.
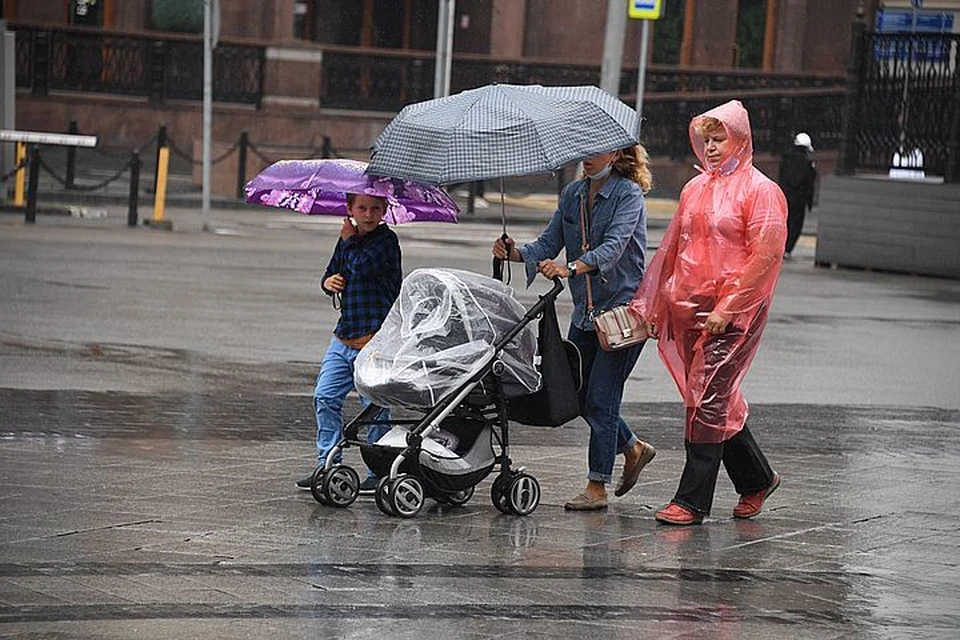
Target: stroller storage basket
x: 461, y: 463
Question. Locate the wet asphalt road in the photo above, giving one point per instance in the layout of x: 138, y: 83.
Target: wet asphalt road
x: 154, y: 410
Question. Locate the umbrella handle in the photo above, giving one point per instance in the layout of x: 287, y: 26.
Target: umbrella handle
x: 498, y: 262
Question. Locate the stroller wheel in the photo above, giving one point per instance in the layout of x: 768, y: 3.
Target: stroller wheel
x: 406, y: 496
x: 341, y: 486
x: 459, y: 498
x: 316, y: 487
x: 498, y: 492
x: 382, y: 496
x: 523, y: 495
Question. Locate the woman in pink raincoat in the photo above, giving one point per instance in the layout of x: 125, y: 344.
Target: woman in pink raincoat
x: 706, y: 296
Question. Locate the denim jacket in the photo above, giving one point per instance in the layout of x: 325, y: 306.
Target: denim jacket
x: 617, y: 239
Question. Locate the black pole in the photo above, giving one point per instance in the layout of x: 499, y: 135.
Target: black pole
x: 847, y: 161
x: 952, y: 173
x: 161, y: 143
x: 327, y: 150
x: 242, y: 164
x: 134, y: 189
x: 30, y: 213
x: 73, y: 129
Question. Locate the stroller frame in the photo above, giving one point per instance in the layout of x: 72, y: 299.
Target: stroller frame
x: 402, y: 492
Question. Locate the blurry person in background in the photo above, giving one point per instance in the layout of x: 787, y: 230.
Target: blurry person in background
x: 798, y: 178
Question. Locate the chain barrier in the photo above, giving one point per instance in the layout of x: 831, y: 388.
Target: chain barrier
x: 310, y: 152
x: 115, y: 156
x: 184, y: 156
x: 20, y: 165
x: 92, y: 187
x: 253, y: 149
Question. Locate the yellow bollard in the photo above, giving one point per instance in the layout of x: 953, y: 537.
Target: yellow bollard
x: 159, y: 198
x: 20, y: 160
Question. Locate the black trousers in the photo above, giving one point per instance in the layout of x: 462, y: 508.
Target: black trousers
x: 741, y: 456
x: 796, y: 212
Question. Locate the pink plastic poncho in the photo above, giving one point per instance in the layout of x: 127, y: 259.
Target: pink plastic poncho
x: 721, y: 252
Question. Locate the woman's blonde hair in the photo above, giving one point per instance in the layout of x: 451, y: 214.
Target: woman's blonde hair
x: 708, y: 125
x: 633, y: 163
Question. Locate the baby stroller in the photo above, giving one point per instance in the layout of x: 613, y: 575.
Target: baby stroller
x: 454, y: 352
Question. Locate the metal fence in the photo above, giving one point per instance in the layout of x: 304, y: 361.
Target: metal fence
x: 775, y: 117
x: 71, y: 59
x: 904, y: 96
x: 355, y: 78
x: 63, y: 59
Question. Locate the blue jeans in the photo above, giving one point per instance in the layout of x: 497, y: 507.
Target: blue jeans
x: 604, y: 375
x: 334, y: 382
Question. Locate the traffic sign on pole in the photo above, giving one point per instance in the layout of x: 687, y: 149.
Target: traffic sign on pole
x: 645, y: 9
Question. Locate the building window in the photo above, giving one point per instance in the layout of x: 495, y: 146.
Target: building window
x: 668, y: 33
x: 384, y: 24
x: 185, y: 16
x: 751, y: 18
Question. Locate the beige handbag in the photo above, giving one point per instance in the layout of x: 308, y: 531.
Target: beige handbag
x: 618, y: 328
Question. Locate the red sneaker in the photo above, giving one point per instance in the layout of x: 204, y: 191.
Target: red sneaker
x: 673, y: 513
x: 751, y: 504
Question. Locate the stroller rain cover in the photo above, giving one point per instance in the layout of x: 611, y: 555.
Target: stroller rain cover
x: 441, y: 330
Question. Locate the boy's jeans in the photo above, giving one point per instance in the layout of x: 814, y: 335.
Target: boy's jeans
x: 604, y: 375
x: 334, y: 382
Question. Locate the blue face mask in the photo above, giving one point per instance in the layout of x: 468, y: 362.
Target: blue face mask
x: 600, y: 175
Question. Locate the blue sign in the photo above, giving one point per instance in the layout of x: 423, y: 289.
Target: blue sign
x: 904, y: 21
x: 901, y: 21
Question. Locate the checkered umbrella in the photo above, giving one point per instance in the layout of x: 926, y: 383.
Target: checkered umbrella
x: 501, y: 130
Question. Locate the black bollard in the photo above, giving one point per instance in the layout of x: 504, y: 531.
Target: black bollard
x: 73, y: 129
x: 327, y: 150
x: 242, y: 164
x: 30, y: 213
x: 134, y: 189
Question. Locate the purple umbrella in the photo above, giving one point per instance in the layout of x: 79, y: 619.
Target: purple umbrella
x: 321, y: 187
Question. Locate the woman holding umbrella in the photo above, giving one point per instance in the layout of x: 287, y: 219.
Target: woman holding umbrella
x: 706, y: 297
x: 601, y: 225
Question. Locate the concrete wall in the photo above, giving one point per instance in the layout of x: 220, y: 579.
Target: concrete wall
x: 903, y: 226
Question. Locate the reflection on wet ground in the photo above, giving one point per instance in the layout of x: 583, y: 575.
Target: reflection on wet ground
x: 175, y: 516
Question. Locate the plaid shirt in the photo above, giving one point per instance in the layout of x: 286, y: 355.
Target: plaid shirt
x: 371, y: 266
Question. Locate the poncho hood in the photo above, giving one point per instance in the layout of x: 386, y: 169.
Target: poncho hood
x: 736, y: 121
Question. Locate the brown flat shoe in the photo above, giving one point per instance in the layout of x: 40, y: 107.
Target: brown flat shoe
x: 585, y: 502
x: 632, y: 473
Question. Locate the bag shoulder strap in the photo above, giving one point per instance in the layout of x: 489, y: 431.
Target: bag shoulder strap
x: 585, y: 246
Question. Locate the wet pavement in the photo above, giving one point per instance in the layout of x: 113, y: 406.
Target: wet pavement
x: 155, y: 410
